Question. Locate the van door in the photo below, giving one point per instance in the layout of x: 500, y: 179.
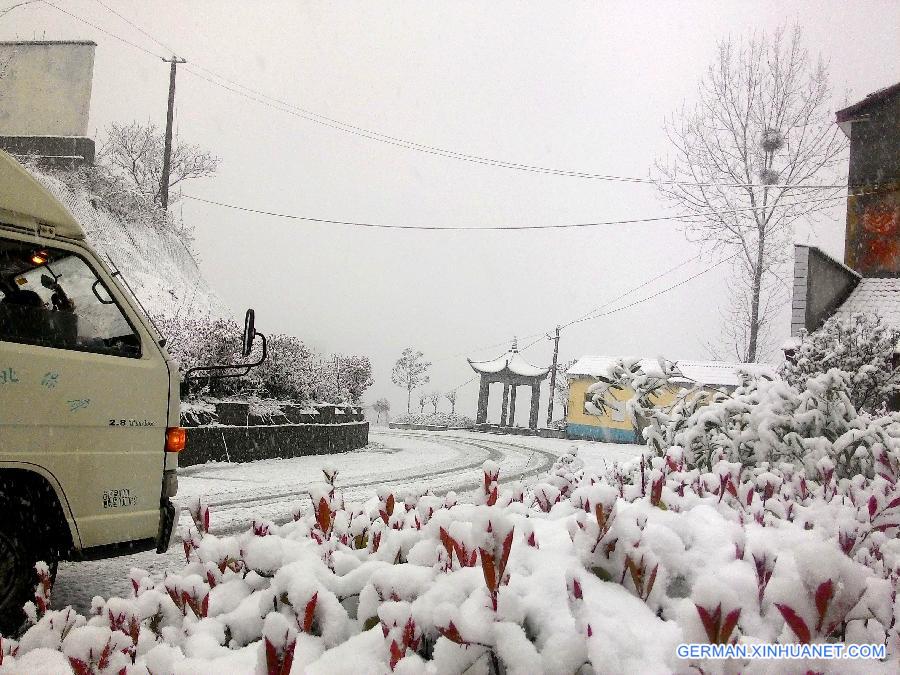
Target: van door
x: 83, y: 388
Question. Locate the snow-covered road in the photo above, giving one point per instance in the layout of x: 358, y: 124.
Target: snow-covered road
x: 270, y: 489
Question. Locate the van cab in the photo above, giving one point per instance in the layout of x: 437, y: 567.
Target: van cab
x: 89, y: 400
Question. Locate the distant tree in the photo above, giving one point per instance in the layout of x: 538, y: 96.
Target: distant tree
x: 410, y: 371
x: 381, y: 407
x: 423, y: 399
x: 761, y: 127
x: 451, y: 396
x: 434, y: 398
x: 135, y: 152
x: 862, y: 346
x: 353, y: 373
x: 561, y: 388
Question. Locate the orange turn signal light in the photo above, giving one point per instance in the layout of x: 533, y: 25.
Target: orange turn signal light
x: 176, y: 438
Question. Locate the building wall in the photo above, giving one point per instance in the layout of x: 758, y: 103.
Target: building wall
x: 821, y: 284
x: 873, y: 221
x: 614, y: 426
x: 46, y: 88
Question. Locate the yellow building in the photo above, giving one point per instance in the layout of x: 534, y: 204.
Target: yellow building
x: 585, y: 421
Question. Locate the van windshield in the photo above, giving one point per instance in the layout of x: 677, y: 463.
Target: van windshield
x: 53, y: 298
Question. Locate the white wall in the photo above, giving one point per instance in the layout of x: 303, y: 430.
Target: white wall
x: 45, y: 88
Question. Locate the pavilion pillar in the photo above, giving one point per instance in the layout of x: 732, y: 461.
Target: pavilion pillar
x: 512, y: 406
x: 484, y: 392
x: 535, y: 404
x: 505, y: 407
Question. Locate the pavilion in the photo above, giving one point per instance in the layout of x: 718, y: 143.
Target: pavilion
x: 513, y: 371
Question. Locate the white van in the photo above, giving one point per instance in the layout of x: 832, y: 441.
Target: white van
x: 89, y: 400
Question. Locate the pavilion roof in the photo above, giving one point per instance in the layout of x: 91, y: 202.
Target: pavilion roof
x: 512, y: 363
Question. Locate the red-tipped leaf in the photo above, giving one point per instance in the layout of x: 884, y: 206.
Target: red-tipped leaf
x: 796, y: 623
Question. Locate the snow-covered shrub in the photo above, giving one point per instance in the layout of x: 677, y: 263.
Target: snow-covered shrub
x: 292, y: 371
x: 439, y: 419
x: 762, y: 421
x: 861, y: 345
x: 611, y: 576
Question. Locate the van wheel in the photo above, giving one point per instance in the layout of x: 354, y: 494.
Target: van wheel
x: 19, y: 551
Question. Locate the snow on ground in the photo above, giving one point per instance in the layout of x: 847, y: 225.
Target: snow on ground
x: 269, y: 489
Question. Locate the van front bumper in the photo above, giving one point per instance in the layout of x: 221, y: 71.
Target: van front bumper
x: 167, y: 514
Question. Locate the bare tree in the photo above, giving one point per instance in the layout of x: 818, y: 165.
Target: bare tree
x: 561, y: 390
x: 451, y: 396
x: 410, y: 371
x: 135, y: 151
x: 381, y: 407
x: 753, y: 155
x: 434, y: 398
x: 423, y: 399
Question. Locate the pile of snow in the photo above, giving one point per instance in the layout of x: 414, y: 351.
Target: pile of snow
x: 577, y: 573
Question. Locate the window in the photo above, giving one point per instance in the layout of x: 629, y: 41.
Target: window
x: 52, y: 298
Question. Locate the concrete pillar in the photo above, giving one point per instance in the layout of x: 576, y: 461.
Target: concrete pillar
x: 512, y: 406
x: 483, y: 393
x: 505, y: 407
x: 535, y: 404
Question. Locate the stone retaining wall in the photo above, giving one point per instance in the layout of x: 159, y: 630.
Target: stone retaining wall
x: 425, y: 427
x: 249, y: 443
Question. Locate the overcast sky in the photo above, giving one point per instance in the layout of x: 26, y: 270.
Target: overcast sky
x: 579, y: 86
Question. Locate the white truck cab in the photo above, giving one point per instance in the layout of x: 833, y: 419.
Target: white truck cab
x: 89, y: 400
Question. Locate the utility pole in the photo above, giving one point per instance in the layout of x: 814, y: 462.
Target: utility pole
x: 555, y: 339
x: 167, y: 152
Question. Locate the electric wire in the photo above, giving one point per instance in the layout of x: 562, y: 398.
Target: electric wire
x: 387, y: 139
x: 136, y: 27
x: 489, y: 228
x: 642, y: 300
x: 102, y: 30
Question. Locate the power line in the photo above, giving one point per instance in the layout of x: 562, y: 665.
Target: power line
x: 487, y: 228
x: 629, y: 292
x: 316, y: 118
x: 311, y: 116
x: 633, y: 304
x: 658, y: 293
x: 102, y: 30
x: 6, y: 10
x: 136, y: 27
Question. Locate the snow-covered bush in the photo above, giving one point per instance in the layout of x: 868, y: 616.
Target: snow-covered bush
x: 761, y: 421
x: 438, y: 419
x: 292, y: 371
x: 579, y: 573
x: 861, y: 345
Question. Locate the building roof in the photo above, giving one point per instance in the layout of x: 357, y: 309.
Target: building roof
x: 874, y: 296
x: 29, y: 203
x: 721, y: 373
x: 512, y: 362
x: 870, y: 100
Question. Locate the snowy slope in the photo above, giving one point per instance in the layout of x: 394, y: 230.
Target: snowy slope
x: 156, y: 263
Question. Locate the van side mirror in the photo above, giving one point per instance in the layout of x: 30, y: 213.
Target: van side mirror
x: 234, y: 369
x: 249, y: 333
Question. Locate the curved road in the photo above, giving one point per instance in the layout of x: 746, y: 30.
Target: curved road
x: 461, y: 474
x: 237, y: 493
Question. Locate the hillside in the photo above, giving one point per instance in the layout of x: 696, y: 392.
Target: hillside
x: 155, y: 262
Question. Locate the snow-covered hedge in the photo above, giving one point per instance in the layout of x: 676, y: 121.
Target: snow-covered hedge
x: 292, y: 371
x: 762, y: 421
x: 861, y: 345
x: 577, y: 573
x: 438, y: 419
